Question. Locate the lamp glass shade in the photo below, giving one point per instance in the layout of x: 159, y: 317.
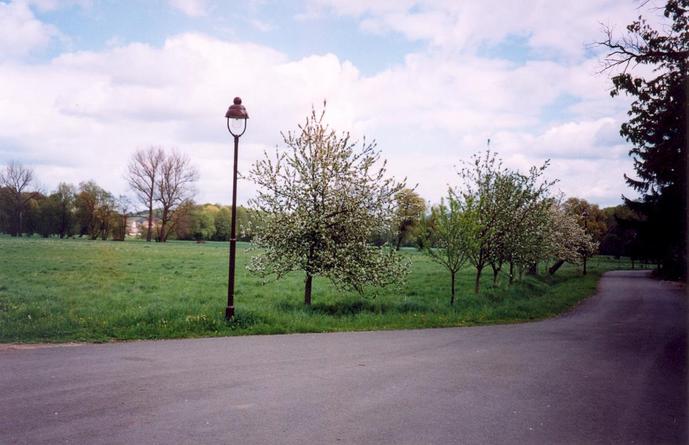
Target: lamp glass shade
x: 236, y: 126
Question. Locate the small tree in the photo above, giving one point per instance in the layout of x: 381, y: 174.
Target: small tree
x: 479, y: 179
x: 592, y: 219
x: 567, y: 241
x: 505, y: 205
x: 410, y: 208
x: 321, y: 199
x: 64, y: 196
x: 524, y: 199
x: 449, y: 241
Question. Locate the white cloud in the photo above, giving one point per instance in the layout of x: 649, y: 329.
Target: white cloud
x: 192, y: 8
x: 21, y: 32
x: 592, y: 139
x: 466, y: 25
x: 82, y: 114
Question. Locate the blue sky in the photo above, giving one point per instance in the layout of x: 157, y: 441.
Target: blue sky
x: 87, y: 82
x: 284, y: 26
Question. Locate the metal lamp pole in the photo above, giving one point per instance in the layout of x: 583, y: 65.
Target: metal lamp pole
x: 236, y: 124
x: 585, y: 214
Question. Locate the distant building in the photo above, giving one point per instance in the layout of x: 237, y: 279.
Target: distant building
x: 137, y: 225
x: 133, y: 227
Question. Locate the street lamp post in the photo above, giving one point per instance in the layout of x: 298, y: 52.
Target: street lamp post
x: 585, y: 215
x: 236, y: 124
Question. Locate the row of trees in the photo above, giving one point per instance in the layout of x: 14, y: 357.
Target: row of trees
x: 323, y: 200
x: 497, y: 217
x: 87, y: 210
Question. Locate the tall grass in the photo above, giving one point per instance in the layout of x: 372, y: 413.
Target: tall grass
x: 78, y: 290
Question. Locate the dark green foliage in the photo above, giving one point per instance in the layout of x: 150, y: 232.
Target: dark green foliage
x: 657, y: 130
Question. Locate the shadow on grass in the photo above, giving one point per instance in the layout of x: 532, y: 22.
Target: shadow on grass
x: 350, y: 307
x: 244, y: 319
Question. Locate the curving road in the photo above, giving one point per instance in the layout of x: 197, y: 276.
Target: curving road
x: 613, y: 371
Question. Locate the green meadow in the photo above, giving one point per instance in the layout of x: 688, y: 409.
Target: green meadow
x: 76, y: 290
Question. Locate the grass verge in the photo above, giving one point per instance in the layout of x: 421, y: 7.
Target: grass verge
x: 76, y: 290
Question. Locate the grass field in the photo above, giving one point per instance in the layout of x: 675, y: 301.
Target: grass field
x: 76, y: 290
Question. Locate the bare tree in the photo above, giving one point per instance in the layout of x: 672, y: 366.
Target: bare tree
x: 174, y: 190
x: 142, y: 173
x: 15, y: 179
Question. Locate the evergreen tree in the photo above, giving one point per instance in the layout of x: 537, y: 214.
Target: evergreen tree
x: 657, y: 128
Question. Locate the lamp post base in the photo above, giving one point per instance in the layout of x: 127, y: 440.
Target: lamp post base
x: 229, y: 313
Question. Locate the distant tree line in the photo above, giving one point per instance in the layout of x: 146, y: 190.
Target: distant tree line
x: 89, y: 211
x: 86, y: 211
x: 211, y: 222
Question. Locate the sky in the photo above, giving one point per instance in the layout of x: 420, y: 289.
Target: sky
x: 86, y: 83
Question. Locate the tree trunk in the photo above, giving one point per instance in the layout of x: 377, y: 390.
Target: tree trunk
x: 511, y: 272
x: 452, y: 299
x: 307, y: 289
x: 496, y: 271
x: 150, y: 221
x: 162, y: 235
x: 477, y: 283
x: 399, y: 240
x: 533, y: 269
x: 584, y: 265
x: 555, y: 267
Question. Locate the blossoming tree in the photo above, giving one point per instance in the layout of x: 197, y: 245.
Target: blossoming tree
x: 321, y: 198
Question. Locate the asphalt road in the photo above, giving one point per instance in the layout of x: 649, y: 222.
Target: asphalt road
x: 612, y: 371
